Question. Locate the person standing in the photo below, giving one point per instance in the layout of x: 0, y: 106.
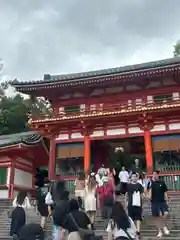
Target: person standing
x: 124, y: 179
x: 102, y: 170
x: 107, y: 199
x: 60, y: 210
x: 157, y: 190
x: 75, y: 218
x: 18, y: 216
x: 134, y: 201
x: 90, y: 199
x: 42, y: 207
x: 136, y: 168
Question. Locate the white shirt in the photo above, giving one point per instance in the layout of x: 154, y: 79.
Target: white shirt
x: 99, y: 180
x: 136, y: 199
x: 115, y: 233
x: 48, y: 199
x: 26, y: 203
x: 101, y: 171
x: 105, y: 179
x: 124, y: 176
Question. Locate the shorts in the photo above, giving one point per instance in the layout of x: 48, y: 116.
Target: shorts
x: 43, y: 211
x: 159, y: 208
x: 123, y: 188
x: 135, y: 213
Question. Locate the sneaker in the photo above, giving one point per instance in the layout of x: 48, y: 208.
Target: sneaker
x: 160, y: 234
x: 166, y: 231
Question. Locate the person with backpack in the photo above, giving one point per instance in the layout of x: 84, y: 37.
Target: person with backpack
x: 134, y: 199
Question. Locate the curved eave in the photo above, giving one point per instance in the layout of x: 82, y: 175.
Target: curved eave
x: 102, y: 79
x: 15, y: 146
x: 10, y: 148
x: 123, y: 112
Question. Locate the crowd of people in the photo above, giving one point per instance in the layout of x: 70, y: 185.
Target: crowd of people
x: 75, y: 217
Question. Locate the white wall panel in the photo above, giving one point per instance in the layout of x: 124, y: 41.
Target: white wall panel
x: 23, y: 178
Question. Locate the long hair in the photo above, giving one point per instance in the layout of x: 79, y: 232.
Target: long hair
x: 91, y: 183
x: 119, y: 217
x: 21, y: 197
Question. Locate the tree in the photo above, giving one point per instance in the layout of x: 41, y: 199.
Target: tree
x: 14, y: 113
x: 1, y: 87
x: 177, y: 49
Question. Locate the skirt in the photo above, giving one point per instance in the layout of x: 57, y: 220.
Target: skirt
x: 90, y: 203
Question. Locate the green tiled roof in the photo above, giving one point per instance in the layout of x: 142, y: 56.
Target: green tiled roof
x: 98, y: 73
x: 27, y: 138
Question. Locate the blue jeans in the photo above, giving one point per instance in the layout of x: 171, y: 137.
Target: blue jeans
x: 56, y: 232
x: 159, y: 208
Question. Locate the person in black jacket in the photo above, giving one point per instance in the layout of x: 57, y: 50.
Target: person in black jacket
x: 60, y: 210
x: 76, y: 218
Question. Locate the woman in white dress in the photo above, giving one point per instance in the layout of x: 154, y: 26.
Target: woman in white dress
x: 90, y: 199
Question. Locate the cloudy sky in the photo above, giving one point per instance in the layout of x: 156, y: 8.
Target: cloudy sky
x: 63, y: 36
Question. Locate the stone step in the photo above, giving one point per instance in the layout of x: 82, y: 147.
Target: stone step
x: 148, y: 228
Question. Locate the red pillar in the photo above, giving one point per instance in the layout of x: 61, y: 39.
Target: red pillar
x: 52, y: 160
x: 148, y: 147
x: 87, y: 153
x: 11, y: 180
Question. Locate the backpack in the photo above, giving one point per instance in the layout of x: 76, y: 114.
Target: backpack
x: 108, y: 195
x: 149, y: 185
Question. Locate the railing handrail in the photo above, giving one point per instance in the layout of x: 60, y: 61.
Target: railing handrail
x: 113, y: 107
x: 166, y: 174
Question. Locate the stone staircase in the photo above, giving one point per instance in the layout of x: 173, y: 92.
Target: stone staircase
x: 148, y: 229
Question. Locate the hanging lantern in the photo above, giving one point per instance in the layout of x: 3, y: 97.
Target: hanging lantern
x: 119, y: 149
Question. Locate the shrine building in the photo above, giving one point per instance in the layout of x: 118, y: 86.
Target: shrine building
x: 136, y: 108
x: 20, y: 155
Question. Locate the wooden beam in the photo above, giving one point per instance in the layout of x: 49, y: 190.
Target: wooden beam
x: 109, y: 98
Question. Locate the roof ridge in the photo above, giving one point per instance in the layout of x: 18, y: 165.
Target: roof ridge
x: 119, y: 67
x: 122, y: 70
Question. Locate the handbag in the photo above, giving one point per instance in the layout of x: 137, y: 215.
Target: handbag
x: 129, y: 237
x: 82, y: 232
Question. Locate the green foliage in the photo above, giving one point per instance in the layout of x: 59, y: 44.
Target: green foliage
x: 14, y: 110
x: 14, y: 113
x: 177, y: 49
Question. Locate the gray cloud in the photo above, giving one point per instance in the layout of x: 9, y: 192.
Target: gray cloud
x: 61, y: 36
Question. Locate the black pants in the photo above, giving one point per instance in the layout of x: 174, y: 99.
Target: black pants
x: 123, y: 188
x: 80, y: 202
x: 135, y: 213
x: 106, y: 212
